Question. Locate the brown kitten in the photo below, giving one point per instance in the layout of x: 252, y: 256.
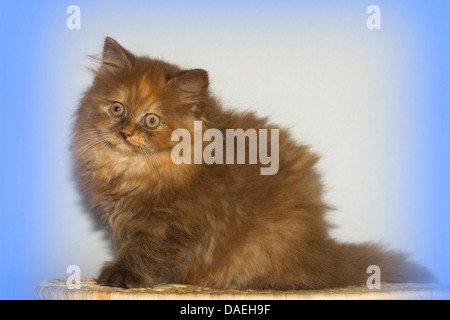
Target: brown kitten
x: 222, y: 226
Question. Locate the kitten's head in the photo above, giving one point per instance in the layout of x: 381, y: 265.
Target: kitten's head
x: 135, y: 103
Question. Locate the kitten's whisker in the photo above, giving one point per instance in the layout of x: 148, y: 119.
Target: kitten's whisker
x: 88, y: 147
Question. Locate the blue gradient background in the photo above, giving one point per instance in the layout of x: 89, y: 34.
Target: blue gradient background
x: 35, y: 42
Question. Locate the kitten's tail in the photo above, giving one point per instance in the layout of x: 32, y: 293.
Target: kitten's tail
x: 354, y: 260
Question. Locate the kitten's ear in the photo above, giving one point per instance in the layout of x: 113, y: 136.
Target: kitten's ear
x: 190, y: 85
x: 115, y: 57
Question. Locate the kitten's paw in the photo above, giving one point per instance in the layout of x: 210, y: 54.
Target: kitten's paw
x: 116, y: 276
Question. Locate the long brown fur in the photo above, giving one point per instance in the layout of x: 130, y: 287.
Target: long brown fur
x: 222, y: 226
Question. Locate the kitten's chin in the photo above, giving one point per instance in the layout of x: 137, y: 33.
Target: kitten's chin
x: 125, y: 147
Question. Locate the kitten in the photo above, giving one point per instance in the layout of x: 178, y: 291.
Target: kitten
x: 218, y: 225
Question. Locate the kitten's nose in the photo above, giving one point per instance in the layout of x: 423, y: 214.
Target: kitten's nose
x: 125, y: 134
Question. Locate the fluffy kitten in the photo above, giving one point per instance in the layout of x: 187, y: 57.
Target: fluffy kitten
x: 221, y: 226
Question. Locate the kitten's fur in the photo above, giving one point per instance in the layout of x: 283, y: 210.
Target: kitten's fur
x: 222, y: 226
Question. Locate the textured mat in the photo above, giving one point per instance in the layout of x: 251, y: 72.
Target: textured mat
x: 57, y: 290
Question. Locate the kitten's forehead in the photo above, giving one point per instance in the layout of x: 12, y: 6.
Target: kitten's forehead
x: 140, y: 95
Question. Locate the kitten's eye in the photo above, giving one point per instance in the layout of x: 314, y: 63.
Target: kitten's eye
x: 152, y: 121
x: 117, y: 109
